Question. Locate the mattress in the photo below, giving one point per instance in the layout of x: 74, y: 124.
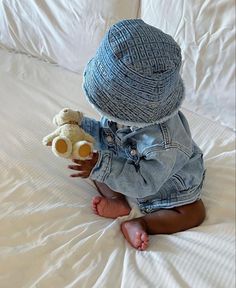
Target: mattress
x: 49, y: 236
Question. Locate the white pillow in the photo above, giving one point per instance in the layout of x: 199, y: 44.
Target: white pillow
x: 205, y: 30
x: 65, y: 32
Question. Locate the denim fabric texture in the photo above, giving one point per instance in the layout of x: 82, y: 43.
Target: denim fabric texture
x: 159, y: 165
x: 134, y: 77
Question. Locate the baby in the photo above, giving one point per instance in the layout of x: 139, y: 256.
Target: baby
x: 145, y: 149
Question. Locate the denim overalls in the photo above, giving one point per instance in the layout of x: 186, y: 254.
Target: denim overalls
x: 159, y: 165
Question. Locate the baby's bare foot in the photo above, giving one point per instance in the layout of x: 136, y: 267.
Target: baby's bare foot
x: 110, y: 208
x: 135, y: 234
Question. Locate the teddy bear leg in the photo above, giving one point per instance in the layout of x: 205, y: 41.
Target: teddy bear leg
x: 62, y: 147
x: 81, y: 150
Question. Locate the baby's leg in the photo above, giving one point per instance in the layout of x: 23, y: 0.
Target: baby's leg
x: 105, y: 191
x: 111, y: 204
x: 162, y: 222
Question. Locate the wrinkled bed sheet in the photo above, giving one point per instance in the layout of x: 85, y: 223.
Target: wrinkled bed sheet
x: 205, y: 31
x: 48, y: 234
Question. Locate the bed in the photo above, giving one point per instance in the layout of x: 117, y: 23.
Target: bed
x: 49, y: 236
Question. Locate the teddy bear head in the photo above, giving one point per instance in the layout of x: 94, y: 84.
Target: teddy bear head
x: 69, y: 116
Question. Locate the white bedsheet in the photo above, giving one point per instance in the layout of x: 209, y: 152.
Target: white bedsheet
x: 61, y: 31
x: 48, y: 234
x: 205, y: 31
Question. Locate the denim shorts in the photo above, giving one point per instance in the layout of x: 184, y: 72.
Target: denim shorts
x: 168, y: 198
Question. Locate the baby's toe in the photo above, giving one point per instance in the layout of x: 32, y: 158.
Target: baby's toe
x: 95, y: 201
x: 144, y: 237
x: 141, y: 240
x: 137, y: 240
x: 144, y: 241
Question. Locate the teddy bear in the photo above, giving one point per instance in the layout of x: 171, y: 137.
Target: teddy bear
x: 69, y: 140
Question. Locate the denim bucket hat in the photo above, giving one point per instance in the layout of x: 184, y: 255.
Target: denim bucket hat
x: 134, y: 77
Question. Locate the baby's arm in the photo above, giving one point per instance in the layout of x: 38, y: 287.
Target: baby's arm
x: 136, y: 181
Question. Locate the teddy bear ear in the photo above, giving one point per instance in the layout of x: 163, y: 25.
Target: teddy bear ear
x: 54, y: 120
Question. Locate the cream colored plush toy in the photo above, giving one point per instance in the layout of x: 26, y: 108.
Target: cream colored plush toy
x: 69, y: 140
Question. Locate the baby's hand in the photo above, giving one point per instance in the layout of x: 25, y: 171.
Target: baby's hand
x: 84, y: 166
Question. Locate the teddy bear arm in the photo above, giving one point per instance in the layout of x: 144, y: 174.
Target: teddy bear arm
x: 49, y: 138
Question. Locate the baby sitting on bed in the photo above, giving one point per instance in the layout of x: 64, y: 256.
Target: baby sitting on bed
x: 145, y: 149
